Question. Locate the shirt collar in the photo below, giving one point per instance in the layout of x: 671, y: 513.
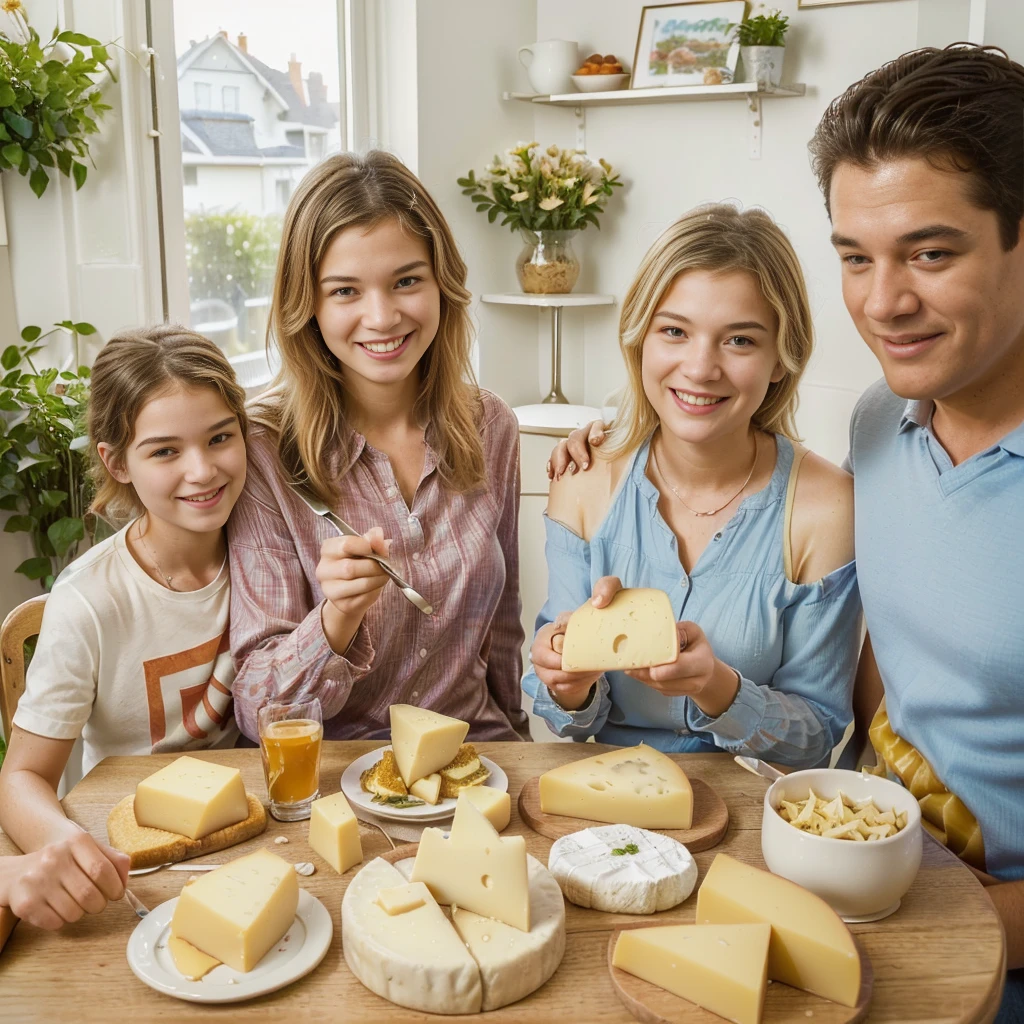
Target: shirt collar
x: 918, y: 413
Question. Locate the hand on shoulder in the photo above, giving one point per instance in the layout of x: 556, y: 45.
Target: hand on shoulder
x: 580, y: 500
x: 821, y: 532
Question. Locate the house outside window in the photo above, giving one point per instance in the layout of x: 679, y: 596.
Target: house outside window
x: 204, y: 95
x: 190, y: 175
x: 229, y: 98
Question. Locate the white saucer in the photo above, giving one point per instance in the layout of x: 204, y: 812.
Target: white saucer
x: 302, y: 947
x: 443, y: 809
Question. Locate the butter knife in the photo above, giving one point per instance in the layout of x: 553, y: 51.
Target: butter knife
x: 342, y: 527
x: 762, y: 768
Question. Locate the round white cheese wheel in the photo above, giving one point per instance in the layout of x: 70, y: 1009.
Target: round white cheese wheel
x: 659, y: 875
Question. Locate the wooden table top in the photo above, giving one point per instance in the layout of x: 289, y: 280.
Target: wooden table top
x: 939, y: 959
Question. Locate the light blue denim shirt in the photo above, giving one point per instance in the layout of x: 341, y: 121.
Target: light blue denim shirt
x: 795, y: 646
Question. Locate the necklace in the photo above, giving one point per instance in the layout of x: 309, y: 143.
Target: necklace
x: 713, y: 511
x: 167, y: 579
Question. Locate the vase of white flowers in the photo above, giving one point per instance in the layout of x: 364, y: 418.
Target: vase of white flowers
x: 547, y: 197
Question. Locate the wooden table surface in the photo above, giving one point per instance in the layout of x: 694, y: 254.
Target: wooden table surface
x: 938, y: 959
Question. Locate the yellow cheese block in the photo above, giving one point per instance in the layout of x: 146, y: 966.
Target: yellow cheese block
x: 191, y: 797
x: 632, y: 786
x: 239, y: 911
x: 722, y: 967
x: 400, y: 899
x: 423, y: 741
x: 193, y: 963
x: 636, y: 629
x: 811, y: 948
x: 334, y: 832
x: 428, y: 788
x: 495, y: 804
x: 475, y: 868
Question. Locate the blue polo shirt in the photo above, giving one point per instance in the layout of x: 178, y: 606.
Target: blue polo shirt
x: 940, y: 561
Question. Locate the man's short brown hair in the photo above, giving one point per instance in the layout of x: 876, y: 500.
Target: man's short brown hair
x: 961, y: 108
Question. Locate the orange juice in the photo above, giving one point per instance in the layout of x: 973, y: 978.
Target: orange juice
x: 291, y: 759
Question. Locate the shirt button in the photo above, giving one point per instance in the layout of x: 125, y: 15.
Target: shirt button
x: 718, y: 536
x: 390, y: 492
x: 415, y: 556
x: 415, y: 694
x: 423, y: 652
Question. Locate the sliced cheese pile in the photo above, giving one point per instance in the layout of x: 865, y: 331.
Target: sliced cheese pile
x: 722, y: 967
x: 191, y: 797
x: 236, y: 913
x: 423, y: 741
x: 632, y: 786
x: 636, y: 629
x: 334, y: 832
x: 620, y: 869
x: 810, y: 947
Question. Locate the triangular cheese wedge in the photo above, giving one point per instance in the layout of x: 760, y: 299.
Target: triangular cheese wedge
x: 423, y: 741
x: 722, y: 967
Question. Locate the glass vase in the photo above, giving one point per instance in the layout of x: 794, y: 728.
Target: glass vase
x: 547, y: 265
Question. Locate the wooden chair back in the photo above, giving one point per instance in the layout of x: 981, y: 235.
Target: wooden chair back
x: 23, y: 622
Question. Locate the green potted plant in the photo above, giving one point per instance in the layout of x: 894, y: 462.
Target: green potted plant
x: 762, y: 40
x: 44, y: 482
x: 547, y: 197
x: 49, y: 101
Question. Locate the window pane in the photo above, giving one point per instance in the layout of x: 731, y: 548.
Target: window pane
x: 258, y: 93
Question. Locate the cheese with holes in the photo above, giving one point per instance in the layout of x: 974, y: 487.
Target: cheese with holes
x: 811, y: 948
x: 192, y: 963
x: 428, y: 789
x: 423, y: 741
x: 476, y: 868
x: 239, y: 911
x: 495, y: 804
x: 191, y: 797
x: 722, y: 967
x: 334, y: 832
x: 415, y: 959
x: 620, y: 869
x: 400, y: 899
x: 636, y: 629
x: 631, y: 786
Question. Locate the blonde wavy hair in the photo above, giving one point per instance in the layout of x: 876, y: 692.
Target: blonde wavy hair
x: 134, y: 367
x: 306, y: 406
x: 717, y: 237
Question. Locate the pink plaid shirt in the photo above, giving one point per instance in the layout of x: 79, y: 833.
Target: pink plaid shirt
x: 458, y: 550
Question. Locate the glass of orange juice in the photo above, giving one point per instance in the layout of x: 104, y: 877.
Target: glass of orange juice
x: 290, y: 740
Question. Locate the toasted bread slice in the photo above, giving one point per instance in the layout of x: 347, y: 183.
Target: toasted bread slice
x: 465, y: 769
x: 384, y: 779
x: 148, y: 847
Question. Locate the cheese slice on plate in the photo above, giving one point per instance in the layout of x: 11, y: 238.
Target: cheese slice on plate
x: 415, y: 959
x: 722, y: 967
x: 334, y: 832
x: 423, y: 741
x: 636, y: 629
x: 476, y: 868
x: 428, y: 788
x: 811, y: 948
x: 620, y: 869
x: 632, y: 786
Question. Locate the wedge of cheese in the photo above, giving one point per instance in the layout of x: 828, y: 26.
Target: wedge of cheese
x: 722, y: 967
x: 191, y: 797
x: 334, y: 832
x: 428, y: 789
x: 236, y: 913
x: 400, y: 899
x: 631, y: 786
x: 423, y: 741
x: 495, y: 804
x: 811, y: 948
x: 475, y: 868
x: 636, y: 629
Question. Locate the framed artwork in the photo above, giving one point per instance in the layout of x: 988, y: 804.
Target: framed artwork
x: 831, y: 3
x: 687, y: 44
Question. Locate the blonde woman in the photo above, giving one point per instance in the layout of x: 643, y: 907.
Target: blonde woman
x: 375, y: 413
x: 703, y: 493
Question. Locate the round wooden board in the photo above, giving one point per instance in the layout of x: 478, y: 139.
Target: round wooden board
x: 709, y: 812
x: 653, y: 1005
x: 402, y: 852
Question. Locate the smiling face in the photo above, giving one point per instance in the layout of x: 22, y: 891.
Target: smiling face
x: 378, y: 303
x: 925, y: 278
x: 709, y: 354
x: 186, y: 460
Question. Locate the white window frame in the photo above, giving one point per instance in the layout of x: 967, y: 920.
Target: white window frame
x: 225, y: 92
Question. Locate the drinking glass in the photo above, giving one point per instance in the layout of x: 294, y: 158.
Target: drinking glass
x: 290, y: 739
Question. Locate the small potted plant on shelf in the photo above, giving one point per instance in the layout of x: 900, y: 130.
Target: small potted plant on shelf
x: 762, y: 40
x: 547, y: 197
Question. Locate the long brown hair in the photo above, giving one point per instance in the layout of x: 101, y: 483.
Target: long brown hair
x: 131, y: 369
x: 717, y: 237
x: 306, y: 405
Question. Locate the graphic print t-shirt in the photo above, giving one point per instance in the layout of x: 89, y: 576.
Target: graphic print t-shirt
x: 128, y: 665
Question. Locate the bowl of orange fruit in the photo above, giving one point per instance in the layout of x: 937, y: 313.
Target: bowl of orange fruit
x: 600, y: 74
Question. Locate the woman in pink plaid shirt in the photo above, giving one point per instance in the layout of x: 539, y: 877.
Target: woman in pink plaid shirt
x: 375, y: 411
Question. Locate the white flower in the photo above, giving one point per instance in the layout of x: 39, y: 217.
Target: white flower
x: 588, y: 191
x: 591, y: 200
x: 518, y: 197
x: 605, y: 166
x: 551, y: 203
x: 552, y: 151
x: 569, y: 182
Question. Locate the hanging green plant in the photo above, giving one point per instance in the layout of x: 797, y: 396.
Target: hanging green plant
x: 48, y: 105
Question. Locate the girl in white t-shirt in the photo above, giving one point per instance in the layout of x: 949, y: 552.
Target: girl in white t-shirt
x: 133, y: 655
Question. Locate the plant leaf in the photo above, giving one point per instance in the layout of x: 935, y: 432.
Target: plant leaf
x: 84, y: 328
x: 53, y: 499
x: 38, y: 181
x: 80, y: 442
x: 22, y: 125
x: 9, y: 503
x: 29, y: 460
x: 35, y: 568
x: 12, y: 154
x: 64, y: 533
x: 77, y: 38
x: 79, y: 171
x: 6, y: 95
x: 11, y: 357
x: 19, y: 524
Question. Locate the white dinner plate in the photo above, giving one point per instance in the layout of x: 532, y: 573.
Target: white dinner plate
x: 355, y: 794
x: 301, y: 948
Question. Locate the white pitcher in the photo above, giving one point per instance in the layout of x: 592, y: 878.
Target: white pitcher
x: 550, y: 64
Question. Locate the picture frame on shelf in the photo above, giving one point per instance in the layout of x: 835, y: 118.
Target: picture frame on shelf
x: 692, y: 43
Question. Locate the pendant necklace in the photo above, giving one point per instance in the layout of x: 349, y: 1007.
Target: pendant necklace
x: 167, y: 579
x: 714, y: 511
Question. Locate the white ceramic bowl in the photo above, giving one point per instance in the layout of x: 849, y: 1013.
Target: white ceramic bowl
x: 860, y: 881
x: 600, y: 83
